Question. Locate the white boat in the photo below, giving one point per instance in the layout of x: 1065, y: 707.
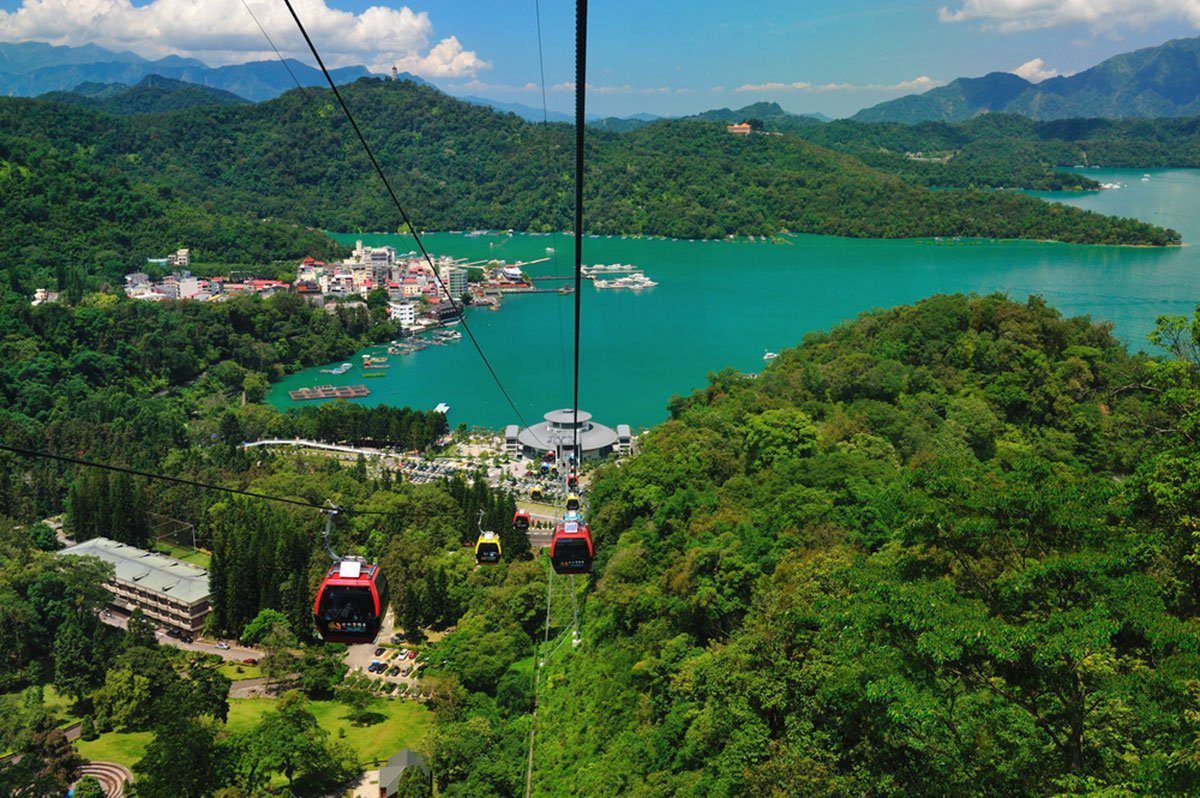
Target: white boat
x: 634, y: 282
x: 513, y: 273
x: 770, y: 355
x: 442, y: 408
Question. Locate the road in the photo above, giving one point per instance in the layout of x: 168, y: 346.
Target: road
x: 235, y: 653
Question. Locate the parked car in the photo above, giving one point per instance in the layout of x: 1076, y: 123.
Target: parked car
x: 249, y: 661
x: 412, y: 654
x: 407, y: 669
x: 403, y: 653
x: 395, y: 669
x: 379, y: 651
x: 223, y: 646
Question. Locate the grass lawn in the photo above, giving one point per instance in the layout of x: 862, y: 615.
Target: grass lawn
x: 237, y: 671
x: 406, y: 724
x: 122, y: 747
x: 185, y: 553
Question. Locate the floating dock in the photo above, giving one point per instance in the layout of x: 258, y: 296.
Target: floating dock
x: 330, y: 392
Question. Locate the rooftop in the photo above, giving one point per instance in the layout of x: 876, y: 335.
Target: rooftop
x: 154, y: 572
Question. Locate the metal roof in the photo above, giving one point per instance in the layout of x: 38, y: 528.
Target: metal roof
x: 566, y: 416
x: 156, y: 573
x: 390, y: 773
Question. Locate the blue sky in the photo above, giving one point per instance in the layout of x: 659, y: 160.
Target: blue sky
x: 664, y: 57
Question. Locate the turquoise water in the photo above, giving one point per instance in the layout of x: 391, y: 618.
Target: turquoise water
x: 723, y: 303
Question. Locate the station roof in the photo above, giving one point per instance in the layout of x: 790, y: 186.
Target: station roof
x: 156, y: 573
x: 551, y: 433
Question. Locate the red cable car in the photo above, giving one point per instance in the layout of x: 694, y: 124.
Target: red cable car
x: 521, y: 520
x: 351, y: 602
x: 571, y: 549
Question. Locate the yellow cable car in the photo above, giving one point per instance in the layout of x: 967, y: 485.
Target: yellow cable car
x: 487, y: 548
x: 535, y: 494
x: 572, y: 501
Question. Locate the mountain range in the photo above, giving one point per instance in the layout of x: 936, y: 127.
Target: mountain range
x: 153, y: 94
x: 32, y: 68
x: 1152, y: 82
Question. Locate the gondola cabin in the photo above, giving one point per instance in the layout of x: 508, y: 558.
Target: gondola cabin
x: 350, y: 602
x: 573, y: 502
x: 521, y: 520
x: 548, y: 457
x: 487, y: 549
x: 571, y: 549
x: 535, y: 494
x: 572, y: 481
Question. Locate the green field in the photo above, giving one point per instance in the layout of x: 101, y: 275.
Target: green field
x: 238, y: 672
x: 406, y: 726
x: 124, y: 748
x: 185, y: 553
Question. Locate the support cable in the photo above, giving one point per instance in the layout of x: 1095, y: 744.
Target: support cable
x: 387, y: 184
x: 580, y: 92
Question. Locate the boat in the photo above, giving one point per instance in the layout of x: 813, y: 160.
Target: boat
x: 442, y: 408
x: 770, y: 355
x: 374, y: 374
x: 634, y: 282
x: 513, y: 273
x: 342, y: 369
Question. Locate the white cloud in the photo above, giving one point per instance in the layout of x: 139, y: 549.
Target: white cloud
x: 1035, y: 71
x: 506, y: 88
x: 622, y: 89
x: 922, y: 83
x: 222, y: 32
x: 1015, y: 15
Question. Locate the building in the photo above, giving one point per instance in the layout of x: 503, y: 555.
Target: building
x: 740, y: 129
x: 624, y: 439
x: 454, y: 278
x: 181, y: 258
x: 403, y: 312
x: 444, y: 311
x: 512, y: 441
x: 557, y: 434
x: 168, y: 591
x: 397, y: 764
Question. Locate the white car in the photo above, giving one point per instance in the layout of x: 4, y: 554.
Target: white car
x: 223, y: 646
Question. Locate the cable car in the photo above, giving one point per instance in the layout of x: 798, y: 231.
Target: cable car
x: 548, y: 457
x: 572, y: 481
x: 487, y: 549
x: 572, y: 501
x: 350, y: 602
x: 521, y: 520
x: 571, y: 549
x: 535, y: 494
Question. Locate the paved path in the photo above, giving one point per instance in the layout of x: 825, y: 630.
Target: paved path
x: 234, y: 653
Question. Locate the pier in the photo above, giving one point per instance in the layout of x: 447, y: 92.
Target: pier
x: 330, y: 392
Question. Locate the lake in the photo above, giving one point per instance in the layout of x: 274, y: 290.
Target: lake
x: 725, y: 303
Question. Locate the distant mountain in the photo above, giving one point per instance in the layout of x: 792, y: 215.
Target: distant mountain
x: 153, y: 94
x: 1153, y: 82
x: 31, y: 69
x: 761, y: 110
x: 527, y: 112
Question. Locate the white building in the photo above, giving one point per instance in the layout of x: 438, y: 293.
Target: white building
x: 180, y: 258
x: 403, y: 312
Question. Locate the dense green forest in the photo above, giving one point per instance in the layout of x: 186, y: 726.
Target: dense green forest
x: 990, y: 150
x: 467, y: 166
x: 945, y: 549
x: 152, y: 94
x: 147, y: 384
x: 66, y: 214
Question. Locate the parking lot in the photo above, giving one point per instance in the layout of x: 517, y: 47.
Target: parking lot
x: 401, y: 662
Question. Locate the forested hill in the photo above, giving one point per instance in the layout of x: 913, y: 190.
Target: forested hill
x: 945, y: 549
x: 152, y: 94
x: 459, y: 165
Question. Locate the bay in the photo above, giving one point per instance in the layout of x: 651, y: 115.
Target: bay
x: 724, y: 303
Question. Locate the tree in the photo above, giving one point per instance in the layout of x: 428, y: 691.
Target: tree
x: 89, y: 787
x: 180, y: 762
x: 288, y: 740
x: 46, y: 766
x: 140, y: 631
x: 255, y: 386
x: 356, y: 693
x: 75, y: 671
x: 321, y: 669
x: 262, y: 623
x: 277, y: 660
